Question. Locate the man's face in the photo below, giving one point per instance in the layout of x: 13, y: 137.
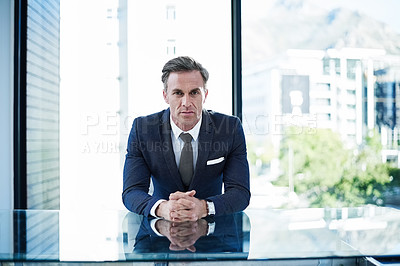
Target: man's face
x: 185, y: 96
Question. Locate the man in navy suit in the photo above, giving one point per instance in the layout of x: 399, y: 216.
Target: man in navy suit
x: 218, y: 150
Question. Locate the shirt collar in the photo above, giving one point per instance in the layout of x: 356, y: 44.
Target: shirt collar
x: 194, y: 132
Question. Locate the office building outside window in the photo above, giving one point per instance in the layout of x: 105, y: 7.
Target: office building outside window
x: 316, y: 74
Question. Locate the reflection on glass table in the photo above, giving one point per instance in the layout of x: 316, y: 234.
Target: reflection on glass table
x: 325, y: 233
x: 253, y: 235
x: 221, y: 236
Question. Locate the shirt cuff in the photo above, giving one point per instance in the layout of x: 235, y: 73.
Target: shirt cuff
x: 153, y: 209
x: 210, y: 208
x: 153, y: 226
x: 211, y: 228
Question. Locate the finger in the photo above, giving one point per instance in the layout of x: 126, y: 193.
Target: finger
x: 182, y: 225
x: 177, y: 195
x: 177, y: 205
x: 181, y: 204
x: 179, y: 216
x: 185, y: 215
x: 175, y: 247
x: 187, y: 202
x: 183, y: 228
x: 182, y: 231
x: 191, y: 248
x: 178, y: 219
x: 191, y: 193
x: 186, y: 242
x: 175, y: 224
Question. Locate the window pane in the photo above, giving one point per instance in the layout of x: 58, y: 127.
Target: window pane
x: 111, y: 63
x: 6, y: 99
x: 42, y: 114
x: 321, y: 101
x: 159, y: 31
x: 92, y: 85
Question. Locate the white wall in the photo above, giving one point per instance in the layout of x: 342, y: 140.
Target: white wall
x: 6, y: 24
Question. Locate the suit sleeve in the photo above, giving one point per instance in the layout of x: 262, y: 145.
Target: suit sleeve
x: 137, y: 175
x: 236, y: 174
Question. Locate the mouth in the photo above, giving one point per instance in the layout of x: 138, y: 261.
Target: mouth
x: 186, y: 113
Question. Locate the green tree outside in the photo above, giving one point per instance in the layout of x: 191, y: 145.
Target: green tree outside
x: 327, y: 174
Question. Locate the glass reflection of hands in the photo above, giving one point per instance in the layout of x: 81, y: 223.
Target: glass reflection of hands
x: 182, y: 235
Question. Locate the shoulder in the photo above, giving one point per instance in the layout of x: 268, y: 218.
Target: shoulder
x: 220, y: 118
x: 155, y: 118
x: 150, y: 123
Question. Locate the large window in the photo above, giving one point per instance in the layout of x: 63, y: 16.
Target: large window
x: 320, y: 94
x: 320, y: 102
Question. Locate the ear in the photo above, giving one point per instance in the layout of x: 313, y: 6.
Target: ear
x: 165, y: 95
x: 205, y: 95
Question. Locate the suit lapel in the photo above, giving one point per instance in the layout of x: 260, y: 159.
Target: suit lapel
x: 168, y: 152
x: 205, y: 143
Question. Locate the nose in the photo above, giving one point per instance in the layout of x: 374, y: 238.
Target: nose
x: 186, y: 100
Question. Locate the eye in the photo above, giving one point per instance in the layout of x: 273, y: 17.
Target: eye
x: 196, y: 92
x: 179, y: 93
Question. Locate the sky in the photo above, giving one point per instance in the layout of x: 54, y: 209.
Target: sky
x: 386, y: 11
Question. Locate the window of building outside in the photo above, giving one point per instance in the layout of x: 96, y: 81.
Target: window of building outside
x: 320, y: 102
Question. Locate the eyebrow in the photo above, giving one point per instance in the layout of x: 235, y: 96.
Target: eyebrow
x: 179, y: 90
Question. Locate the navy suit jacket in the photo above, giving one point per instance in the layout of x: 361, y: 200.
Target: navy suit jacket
x: 150, y: 155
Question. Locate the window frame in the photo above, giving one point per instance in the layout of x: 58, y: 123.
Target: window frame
x: 236, y: 29
x: 20, y: 51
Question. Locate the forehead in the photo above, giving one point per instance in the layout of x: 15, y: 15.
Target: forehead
x: 187, y: 79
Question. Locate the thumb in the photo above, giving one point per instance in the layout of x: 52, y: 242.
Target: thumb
x: 191, y: 193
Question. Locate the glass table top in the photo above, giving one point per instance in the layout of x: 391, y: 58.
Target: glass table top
x: 36, y: 235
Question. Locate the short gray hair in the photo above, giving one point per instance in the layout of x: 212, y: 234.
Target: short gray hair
x: 183, y: 64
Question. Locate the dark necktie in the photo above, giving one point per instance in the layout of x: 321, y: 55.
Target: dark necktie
x: 186, y: 161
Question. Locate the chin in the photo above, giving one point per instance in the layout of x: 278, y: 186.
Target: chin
x: 189, y: 118
x: 188, y: 122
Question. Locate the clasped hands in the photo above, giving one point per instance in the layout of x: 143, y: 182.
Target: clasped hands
x: 182, y: 235
x: 182, y: 207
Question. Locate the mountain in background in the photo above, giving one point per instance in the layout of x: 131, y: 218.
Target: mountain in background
x: 298, y: 24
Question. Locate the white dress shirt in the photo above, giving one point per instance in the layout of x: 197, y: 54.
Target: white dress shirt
x: 177, y: 146
x: 178, y: 143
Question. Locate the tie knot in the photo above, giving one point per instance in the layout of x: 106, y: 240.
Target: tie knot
x: 186, y: 137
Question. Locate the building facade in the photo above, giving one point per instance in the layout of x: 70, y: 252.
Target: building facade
x: 350, y: 91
